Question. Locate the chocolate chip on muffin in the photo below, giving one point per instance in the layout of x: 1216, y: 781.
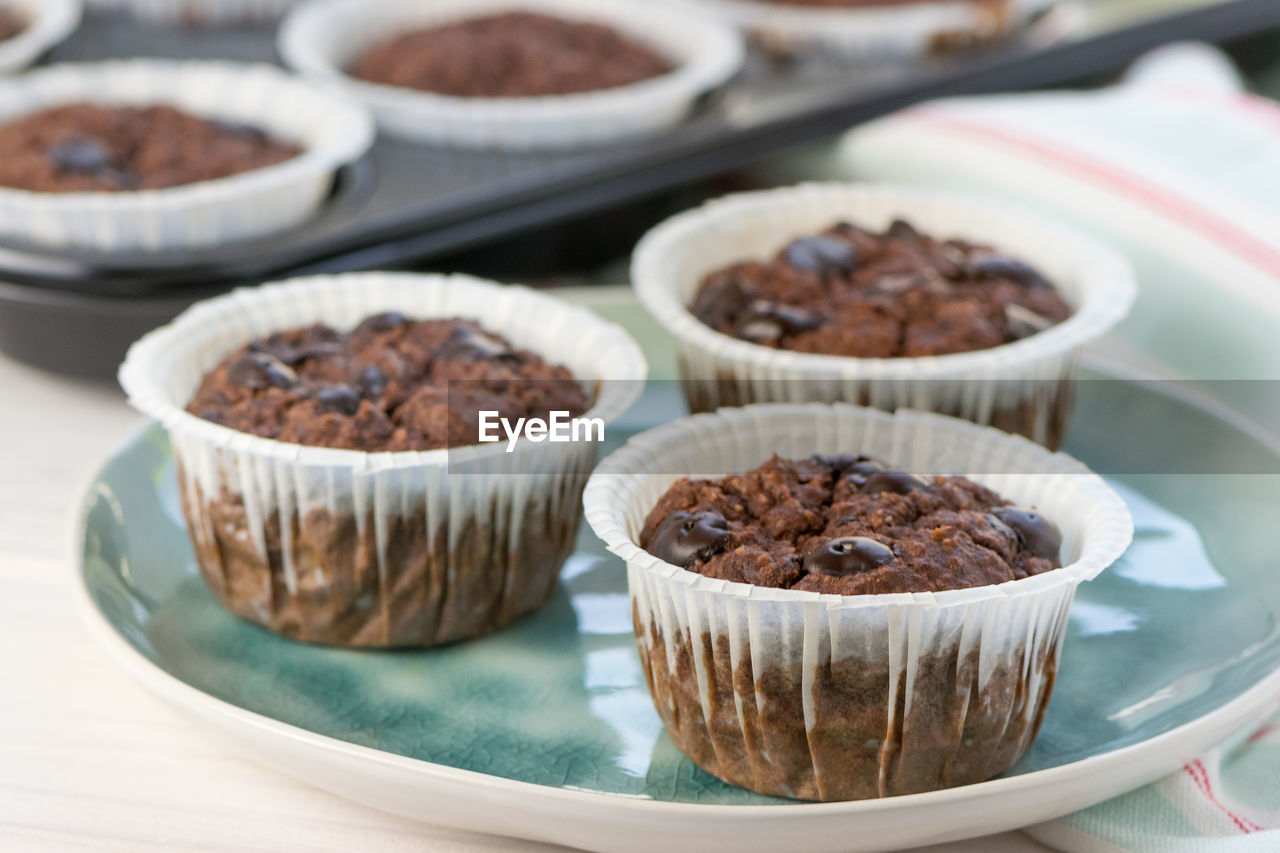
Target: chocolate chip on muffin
x: 90, y: 148
x: 897, y: 294
x: 511, y: 54
x: 848, y: 526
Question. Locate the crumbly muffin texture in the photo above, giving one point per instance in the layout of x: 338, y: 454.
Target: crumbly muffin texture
x: 390, y: 384
x: 848, y: 525
x: 91, y: 148
x: 511, y: 54
x: 897, y: 294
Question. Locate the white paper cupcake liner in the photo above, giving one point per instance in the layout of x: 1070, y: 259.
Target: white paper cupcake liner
x: 323, y: 37
x: 843, y: 697
x: 354, y: 548
x: 48, y: 23
x: 1022, y: 386
x: 905, y: 31
x: 199, y: 13
x: 331, y: 130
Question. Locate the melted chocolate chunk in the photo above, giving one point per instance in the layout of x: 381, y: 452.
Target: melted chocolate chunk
x: 720, y: 302
x: 383, y: 322
x: 855, y: 469
x: 769, y: 321
x: 897, y: 482
x: 81, y: 155
x: 338, y: 398
x: 824, y: 256
x: 849, y: 555
x: 260, y: 370
x: 989, y: 266
x: 371, y: 382
x: 1023, y: 322
x: 470, y: 345
x: 684, y: 538
x: 861, y: 471
x: 1035, y: 533
x: 839, y: 462
x: 320, y: 343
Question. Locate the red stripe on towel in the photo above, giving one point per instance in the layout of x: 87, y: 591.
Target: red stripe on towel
x: 1263, y: 732
x: 1200, y: 776
x: 1182, y: 209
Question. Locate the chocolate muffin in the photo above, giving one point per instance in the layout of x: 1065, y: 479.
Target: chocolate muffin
x: 90, y: 148
x: 900, y: 294
x: 391, y: 384
x: 832, y: 627
x: 849, y: 526
x: 10, y: 24
x: 434, y: 564
x: 510, y: 55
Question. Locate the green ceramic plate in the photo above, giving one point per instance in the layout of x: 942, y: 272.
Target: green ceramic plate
x: 546, y: 730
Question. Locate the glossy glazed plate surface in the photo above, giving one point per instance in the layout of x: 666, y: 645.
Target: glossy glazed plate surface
x: 546, y: 730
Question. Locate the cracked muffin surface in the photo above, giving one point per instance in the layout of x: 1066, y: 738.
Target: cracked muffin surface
x: 92, y: 148
x: 898, y: 294
x: 848, y: 525
x: 390, y: 384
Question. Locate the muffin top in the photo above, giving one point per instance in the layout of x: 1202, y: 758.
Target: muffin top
x: 848, y: 525
x: 10, y: 24
x: 900, y: 294
x: 511, y: 54
x: 390, y: 384
x: 90, y: 148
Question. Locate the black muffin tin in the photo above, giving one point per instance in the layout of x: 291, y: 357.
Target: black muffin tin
x: 407, y: 204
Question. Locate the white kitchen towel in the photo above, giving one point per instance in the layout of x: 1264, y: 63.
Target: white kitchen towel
x: 1176, y: 166
x: 1227, y: 800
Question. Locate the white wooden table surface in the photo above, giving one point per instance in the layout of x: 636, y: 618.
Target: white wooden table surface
x: 88, y: 760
